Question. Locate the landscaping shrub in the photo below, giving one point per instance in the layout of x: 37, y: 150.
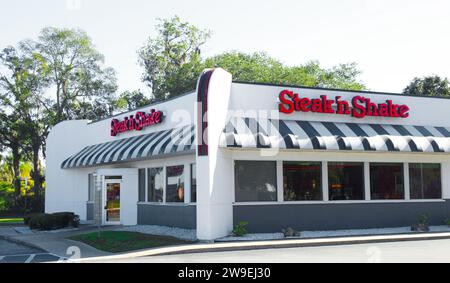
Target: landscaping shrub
x: 240, y: 229
x: 45, y: 221
x: 27, y: 217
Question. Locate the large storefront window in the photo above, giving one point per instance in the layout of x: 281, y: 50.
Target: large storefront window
x: 425, y: 181
x: 346, y: 181
x: 193, y: 183
x: 387, y: 181
x: 255, y: 181
x: 155, y: 185
x: 302, y: 181
x: 175, y: 184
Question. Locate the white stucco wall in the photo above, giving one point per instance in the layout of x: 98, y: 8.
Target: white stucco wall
x: 67, y: 190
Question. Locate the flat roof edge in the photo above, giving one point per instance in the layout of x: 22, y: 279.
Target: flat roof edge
x: 343, y: 90
x: 146, y: 106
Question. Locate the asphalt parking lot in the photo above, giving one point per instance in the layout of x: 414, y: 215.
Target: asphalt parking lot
x: 15, y: 253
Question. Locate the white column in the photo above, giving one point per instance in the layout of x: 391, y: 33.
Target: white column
x: 214, y: 185
x: 406, y: 181
x: 367, y: 180
x: 280, y: 185
x: 325, y: 191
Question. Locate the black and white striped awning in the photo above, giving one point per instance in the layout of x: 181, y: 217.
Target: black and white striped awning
x: 149, y: 146
x: 288, y: 134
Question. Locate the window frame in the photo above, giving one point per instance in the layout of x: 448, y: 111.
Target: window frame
x: 441, y: 175
x: 367, y: 188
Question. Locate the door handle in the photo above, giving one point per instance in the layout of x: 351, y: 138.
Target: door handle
x: 106, y: 207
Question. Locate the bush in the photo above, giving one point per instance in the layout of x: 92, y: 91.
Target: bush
x: 240, y: 229
x: 45, y: 221
x: 27, y: 217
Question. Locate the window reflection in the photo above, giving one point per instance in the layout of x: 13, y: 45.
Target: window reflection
x: 175, y: 184
x: 302, y: 181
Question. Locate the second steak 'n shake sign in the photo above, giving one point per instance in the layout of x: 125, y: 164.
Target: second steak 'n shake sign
x: 358, y: 107
x: 136, y: 122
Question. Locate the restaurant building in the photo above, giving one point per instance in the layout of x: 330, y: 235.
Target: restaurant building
x: 274, y: 156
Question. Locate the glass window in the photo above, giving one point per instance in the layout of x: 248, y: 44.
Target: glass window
x: 155, y: 185
x: 386, y: 181
x: 302, y: 181
x: 193, y: 183
x: 175, y: 184
x: 425, y: 181
x: 346, y: 181
x: 141, y: 181
x: 255, y: 181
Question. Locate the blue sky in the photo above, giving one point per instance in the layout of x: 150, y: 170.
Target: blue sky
x: 392, y: 41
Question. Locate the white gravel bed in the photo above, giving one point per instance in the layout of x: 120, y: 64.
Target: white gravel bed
x: 183, y: 234
x: 327, y: 234
x: 253, y: 237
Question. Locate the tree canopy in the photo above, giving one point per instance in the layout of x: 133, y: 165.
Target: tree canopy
x: 429, y: 86
x: 172, y: 62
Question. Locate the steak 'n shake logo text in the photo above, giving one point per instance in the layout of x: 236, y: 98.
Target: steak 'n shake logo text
x: 358, y: 107
x: 136, y: 122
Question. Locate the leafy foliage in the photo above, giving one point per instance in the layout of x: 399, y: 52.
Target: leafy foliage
x: 429, y: 86
x: 131, y: 100
x: 261, y: 68
x: 84, y: 88
x: 172, y: 60
x: 240, y: 229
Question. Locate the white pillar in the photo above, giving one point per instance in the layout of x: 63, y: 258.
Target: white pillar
x: 214, y: 170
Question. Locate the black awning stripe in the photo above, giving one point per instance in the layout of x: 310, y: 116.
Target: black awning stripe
x: 136, y: 141
x: 312, y: 133
x: 404, y: 132
x: 286, y: 134
x: 331, y: 127
x: 360, y: 133
x: 154, y: 139
x: 443, y: 131
x: 93, y: 149
x: 71, y: 159
x: 120, y: 148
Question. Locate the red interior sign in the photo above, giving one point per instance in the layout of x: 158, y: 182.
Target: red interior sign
x: 136, y: 122
x: 358, y: 107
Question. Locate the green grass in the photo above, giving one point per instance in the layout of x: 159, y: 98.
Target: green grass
x: 9, y: 221
x: 117, y: 241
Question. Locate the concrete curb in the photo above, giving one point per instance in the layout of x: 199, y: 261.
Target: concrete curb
x: 276, y: 244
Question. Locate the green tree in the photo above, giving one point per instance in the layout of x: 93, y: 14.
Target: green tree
x: 22, y: 85
x: 172, y: 60
x: 130, y: 100
x: 261, y: 68
x: 428, y: 86
x: 84, y: 88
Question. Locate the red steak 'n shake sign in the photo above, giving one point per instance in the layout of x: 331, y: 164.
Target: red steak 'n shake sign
x: 136, y: 122
x: 358, y: 107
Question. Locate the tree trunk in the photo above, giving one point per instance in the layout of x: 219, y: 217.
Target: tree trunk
x: 16, y: 172
x: 36, y: 176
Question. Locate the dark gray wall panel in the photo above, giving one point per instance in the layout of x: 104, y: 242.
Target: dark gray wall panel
x: 180, y: 216
x: 314, y: 217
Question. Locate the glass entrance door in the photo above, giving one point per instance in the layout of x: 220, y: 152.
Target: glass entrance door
x: 112, y: 202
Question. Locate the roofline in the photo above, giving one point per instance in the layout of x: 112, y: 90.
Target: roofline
x: 140, y: 108
x: 343, y: 90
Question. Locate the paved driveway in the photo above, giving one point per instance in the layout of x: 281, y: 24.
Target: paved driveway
x: 16, y: 253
